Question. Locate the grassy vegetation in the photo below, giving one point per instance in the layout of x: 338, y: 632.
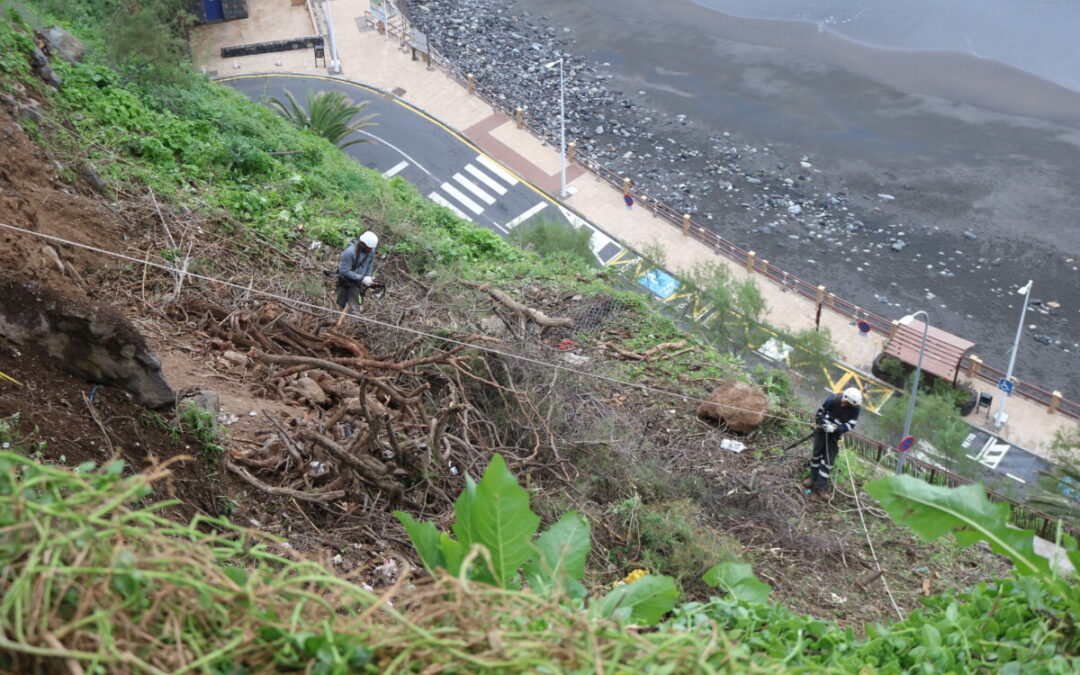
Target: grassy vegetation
x: 131, y: 591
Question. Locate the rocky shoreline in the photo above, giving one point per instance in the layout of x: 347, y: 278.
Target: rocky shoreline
x: 788, y: 207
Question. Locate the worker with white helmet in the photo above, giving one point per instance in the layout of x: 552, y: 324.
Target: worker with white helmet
x: 836, y: 416
x: 354, y: 271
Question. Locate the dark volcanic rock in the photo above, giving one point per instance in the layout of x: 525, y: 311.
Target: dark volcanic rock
x: 87, y: 338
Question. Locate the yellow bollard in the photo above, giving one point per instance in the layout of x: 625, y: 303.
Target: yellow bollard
x: 1055, y: 401
x: 973, y: 365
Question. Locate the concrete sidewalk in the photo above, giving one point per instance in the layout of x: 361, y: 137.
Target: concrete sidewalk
x: 380, y: 61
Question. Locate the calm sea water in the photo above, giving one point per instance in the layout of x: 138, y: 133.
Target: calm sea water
x: 1039, y: 36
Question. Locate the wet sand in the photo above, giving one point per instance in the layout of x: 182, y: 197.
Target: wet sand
x: 983, y: 162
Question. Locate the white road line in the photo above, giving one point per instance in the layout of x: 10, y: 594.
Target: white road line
x: 439, y: 199
x: 497, y: 170
x: 391, y: 145
x: 474, y: 188
x: 1016, y: 478
x: 394, y: 170
x: 525, y: 216
x: 485, y: 179
x: 457, y: 194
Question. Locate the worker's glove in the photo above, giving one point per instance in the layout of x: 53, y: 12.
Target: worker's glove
x: 367, y: 281
x: 829, y: 428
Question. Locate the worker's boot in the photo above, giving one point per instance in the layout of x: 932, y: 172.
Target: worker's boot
x: 808, y: 483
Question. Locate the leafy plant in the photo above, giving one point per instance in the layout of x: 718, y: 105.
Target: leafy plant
x: 328, y: 114
x: 495, y: 527
x: 965, y: 512
x: 738, y: 580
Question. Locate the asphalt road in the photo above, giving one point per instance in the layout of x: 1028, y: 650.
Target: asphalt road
x: 443, y: 165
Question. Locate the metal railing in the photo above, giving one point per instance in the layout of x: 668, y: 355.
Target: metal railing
x: 786, y: 281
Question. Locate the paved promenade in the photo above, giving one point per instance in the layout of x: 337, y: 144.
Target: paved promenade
x: 379, y: 61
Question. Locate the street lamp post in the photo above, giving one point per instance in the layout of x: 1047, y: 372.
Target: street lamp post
x: 914, y: 385
x: 1000, y: 417
x: 562, y: 123
x: 335, y: 62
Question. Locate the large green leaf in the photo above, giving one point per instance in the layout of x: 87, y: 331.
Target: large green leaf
x: 425, y: 538
x: 495, y: 513
x: 933, y: 511
x: 643, y: 602
x: 738, y: 580
x: 560, y: 559
x: 453, y: 553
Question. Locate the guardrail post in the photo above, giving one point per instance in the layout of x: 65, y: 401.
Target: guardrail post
x: 519, y: 117
x: 381, y: 26
x: 470, y: 83
x: 626, y: 186
x: 686, y: 224
x: 750, y: 257
x: 571, y: 154
x: 765, y: 267
x: 973, y: 365
x: 820, y: 294
x: 1055, y: 401
x: 832, y: 299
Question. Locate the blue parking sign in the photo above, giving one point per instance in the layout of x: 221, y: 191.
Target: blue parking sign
x: 1005, y: 386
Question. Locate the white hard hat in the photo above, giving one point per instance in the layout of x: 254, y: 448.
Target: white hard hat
x: 852, y: 396
x: 369, y: 239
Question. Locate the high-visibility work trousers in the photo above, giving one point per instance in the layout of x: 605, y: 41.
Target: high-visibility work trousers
x: 826, y: 447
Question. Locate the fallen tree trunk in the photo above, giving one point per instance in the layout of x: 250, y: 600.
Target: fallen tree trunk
x: 534, y: 315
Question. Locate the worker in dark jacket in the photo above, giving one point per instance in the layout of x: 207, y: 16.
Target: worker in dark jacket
x: 836, y: 416
x: 354, y: 273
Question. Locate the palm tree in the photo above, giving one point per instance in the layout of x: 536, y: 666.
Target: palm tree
x: 329, y: 114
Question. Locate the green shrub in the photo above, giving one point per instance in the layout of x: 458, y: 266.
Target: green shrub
x: 548, y: 238
x: 670, y: 538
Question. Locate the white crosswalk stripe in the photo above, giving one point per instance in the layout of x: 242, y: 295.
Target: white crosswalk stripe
x: 497, y: 170
x: 525, y: 216
x: 394, y: 170
x: 439, y: 199
x: 458, y: 195
x: 486, y: 180
x: 479, y: 183
x: 474, y: 188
